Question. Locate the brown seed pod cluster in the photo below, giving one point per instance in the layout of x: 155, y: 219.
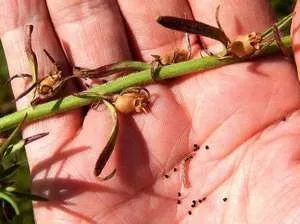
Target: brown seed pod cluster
x: 179, y: 55
x: 245, y: 45
x: 46, y: 87
x: 49, y: 85
x: 134, y: 99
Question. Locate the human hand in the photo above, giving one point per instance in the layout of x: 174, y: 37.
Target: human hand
x: 236, y: 110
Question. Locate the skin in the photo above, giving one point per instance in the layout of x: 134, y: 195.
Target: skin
x: 237, y: 111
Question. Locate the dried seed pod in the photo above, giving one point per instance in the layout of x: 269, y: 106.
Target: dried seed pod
x: 135, y: 99
x: 48, y: 85
x: 179, y: 55
x: 245, y: 45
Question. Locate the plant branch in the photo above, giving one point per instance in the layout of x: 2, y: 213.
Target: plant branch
x: 135, y: 79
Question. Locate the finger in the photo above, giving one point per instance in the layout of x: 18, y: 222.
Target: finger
x: 43, y: 37
x: 92, y: 32
x: 295, y: 33
x: 236, y: 17
x: 148, y: 36
x: 14, y: 15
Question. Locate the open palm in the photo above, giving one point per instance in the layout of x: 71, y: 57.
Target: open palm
x: 243, y: 116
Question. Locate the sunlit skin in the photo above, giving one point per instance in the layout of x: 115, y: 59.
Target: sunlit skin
x: 245, y: 118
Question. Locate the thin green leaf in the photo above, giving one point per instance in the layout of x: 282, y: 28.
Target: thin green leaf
x: 9, y: 171
x: 8, y: 150
x: 15, y: 147
x: 20, y: 144
x: 10, y: 200
x: 28, y: 196
x: 281, y: 24
x: 11, y: 137
x: 108, y: 149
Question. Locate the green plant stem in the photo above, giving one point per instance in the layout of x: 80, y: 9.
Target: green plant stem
x: 283, y: 23
x: 135, y: 79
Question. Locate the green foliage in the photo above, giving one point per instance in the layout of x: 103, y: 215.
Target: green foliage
x: 283, y: 7
x: 20, y: 176
x: 5, y: 92
x: 15, y: 196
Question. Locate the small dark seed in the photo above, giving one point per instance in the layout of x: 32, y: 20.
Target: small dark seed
x: 190, y: 212
x: 283, y: 119
x: 179, y: 194
x: 175, y: 169
x: 194, y: 201
x: 178, y: 202
x: 188, y: 158
x: 200, y: 201
x: 167, y: 176
x: 224, y: 199
x: 193, y: 205
x: 203, y: 199
x: 207, y: 147
x: 196, y: 147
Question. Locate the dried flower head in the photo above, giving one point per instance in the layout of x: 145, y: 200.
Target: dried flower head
x: 135, y: 99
